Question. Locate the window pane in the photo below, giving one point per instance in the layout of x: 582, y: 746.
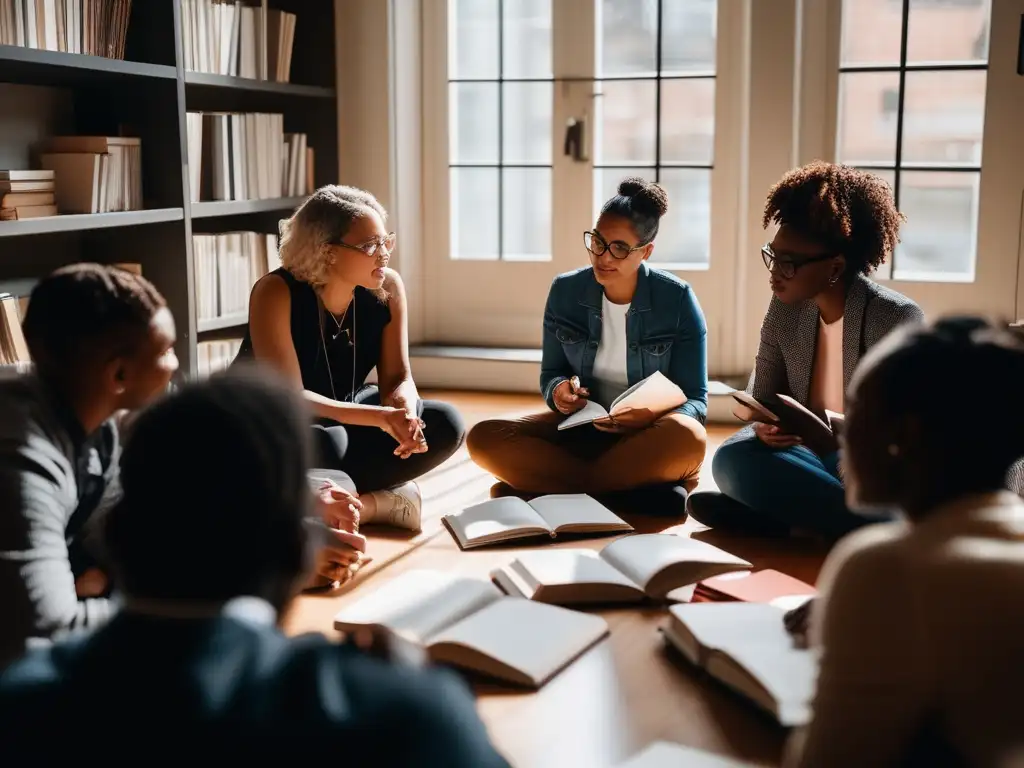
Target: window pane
x: 526, y: 112
x: 473, y: 126
x: 871, y: 32
x: 688, y: 35
x: 473, y: 34
x: 868, y: 111
x: 628, y: 44
x: 526, y: 48
x: 625, y: 122
x: 939, y: 238
x: 475, y: 208
x: 948, y: 31
x: 944, y: 117
x: 526, y: 214
x: 685, y: 233
x: 606, y: 183
x: 688, y: 120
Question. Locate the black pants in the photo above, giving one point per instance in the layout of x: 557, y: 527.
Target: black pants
x: 367, y: 453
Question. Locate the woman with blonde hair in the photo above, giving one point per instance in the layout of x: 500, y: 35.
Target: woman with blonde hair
x: 328, y: 316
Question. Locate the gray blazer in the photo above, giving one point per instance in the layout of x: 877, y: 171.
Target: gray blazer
x: 789, y: 339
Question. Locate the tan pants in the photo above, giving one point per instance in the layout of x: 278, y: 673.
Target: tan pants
x: 532, y: 456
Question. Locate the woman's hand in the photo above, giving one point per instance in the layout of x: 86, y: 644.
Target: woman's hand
x: 774, y: 437
x: 340, y: 556
x: 339, y: 508
x: 627, y: 420
x: 568, y: 402
x: 407, y: 430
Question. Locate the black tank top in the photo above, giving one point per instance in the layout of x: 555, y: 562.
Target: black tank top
x: 331, y: 359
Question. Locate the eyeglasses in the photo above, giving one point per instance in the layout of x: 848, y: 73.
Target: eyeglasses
x: 371, y: 247
x: 619, y: 250
x: 785, y: 265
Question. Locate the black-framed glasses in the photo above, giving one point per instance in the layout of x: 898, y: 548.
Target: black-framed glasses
x: 371, y: 247
x: 618, y: 249
x: 787, y: 266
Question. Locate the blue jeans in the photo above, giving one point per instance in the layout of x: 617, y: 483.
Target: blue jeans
x: 792, y: 487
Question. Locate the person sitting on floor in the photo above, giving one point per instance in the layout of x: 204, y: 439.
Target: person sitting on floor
x: 326, y: 318
x: 611, y: 325
x: 836, y: 226
x: 208, y: 546
x: 918, y: 621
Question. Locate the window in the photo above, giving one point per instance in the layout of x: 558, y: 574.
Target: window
x: 500, y: 107
x: 655, y: 114
x: 932, y: 58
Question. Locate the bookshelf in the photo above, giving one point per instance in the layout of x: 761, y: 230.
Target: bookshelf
x: 148, y: 94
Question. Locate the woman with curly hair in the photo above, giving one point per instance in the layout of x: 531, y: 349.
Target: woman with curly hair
x: 837, y: 225
x: 328, y: 316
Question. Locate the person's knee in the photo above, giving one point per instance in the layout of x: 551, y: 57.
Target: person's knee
x: 445, y: 428
x: 485, y: 439
x: 330, y: 444
x: 683, y: 435
x: 732, y: 462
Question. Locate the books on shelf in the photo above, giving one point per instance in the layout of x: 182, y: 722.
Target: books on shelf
x: 510, y: 518
x: 95, y: 174
x: 222, y: 37
x: 469, y: 623
x: 226, y: 267
x: 664, y: 754
x: 13, y: 348
x: 238, y: 156
x: 26, y: 194
x: 745, y: 646
x: 216, y: 356
x: 630, y: 570
x: 93, y: 27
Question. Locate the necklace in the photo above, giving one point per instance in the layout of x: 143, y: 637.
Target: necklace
x: 338, y: 323
x: 351, y: 343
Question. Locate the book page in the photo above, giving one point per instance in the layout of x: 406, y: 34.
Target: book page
x: 664, y: 754
x: 656, y: 394
x: 418, y: 604
x: 750, y: 409
x: 590, y: 412
x: 569, y: 511
x: 532, y: 640
x: 493, y: 520
x: 569, y: 576
x: 646, y: 556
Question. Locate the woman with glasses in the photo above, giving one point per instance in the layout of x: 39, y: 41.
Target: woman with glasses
x: 328, y: 316
x: 837, y: 225
x: 607, y: 327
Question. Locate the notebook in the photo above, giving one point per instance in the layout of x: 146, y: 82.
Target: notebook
x: 664, y: 754
x: 632, y: 569
x: 745, y: 646
x: 656, y: 394
x: 468, y: 623
x: 767, y: 586
x: 820, y: 435
x: 511, y: 518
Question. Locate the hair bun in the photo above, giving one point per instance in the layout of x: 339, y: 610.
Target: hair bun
x: 647, y: 196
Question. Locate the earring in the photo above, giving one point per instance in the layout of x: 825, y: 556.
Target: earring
x: 834, y: 280
x: 894, y: 450
x: 120, y: 389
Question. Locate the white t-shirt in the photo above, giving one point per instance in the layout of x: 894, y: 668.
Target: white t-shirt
x: 827, y: 390
x: 610, y: 362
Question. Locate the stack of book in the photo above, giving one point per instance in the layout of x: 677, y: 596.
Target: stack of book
x: 226, y: 266
x: 13, y: 349
x: 95, y: 174
x: 246, y: 157
x: 26, y: 195
x: 224, y: 38
x: 93, y: 27
x: 215, y: 356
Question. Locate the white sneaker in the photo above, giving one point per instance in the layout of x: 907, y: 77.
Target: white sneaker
x: 400, y: 507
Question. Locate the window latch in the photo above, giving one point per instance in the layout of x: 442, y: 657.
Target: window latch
x: 575, y: 146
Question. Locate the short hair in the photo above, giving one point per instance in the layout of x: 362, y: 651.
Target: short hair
x: 87, y: 311
x: 918, y: 367
x: 324, y: 218
x: 849, y: 210
x: 215, y: 493
x: 642, y: 202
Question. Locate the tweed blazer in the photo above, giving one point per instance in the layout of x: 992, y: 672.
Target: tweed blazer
x: 789, y: 339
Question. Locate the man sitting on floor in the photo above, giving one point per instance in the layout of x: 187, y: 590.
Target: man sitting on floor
x: 193, y: 666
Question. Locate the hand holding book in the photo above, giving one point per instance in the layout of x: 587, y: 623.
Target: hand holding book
x: 785, y: 418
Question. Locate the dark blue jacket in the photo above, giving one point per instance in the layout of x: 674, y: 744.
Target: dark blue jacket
x: 665, y: 331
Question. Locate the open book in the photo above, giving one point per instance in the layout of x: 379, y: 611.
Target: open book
x: 511, y: 518
x: 820, y: 435
x: 632, y: 569
x: 665, y: 754
x: 656, y: 394
x: 468, y: 623
x: 746, y: 647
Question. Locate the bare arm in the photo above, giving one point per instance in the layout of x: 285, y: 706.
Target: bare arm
x: 271, y: 332
x: 394, y: 374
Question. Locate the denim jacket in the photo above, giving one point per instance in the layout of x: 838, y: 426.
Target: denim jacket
x: 665, y: 331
